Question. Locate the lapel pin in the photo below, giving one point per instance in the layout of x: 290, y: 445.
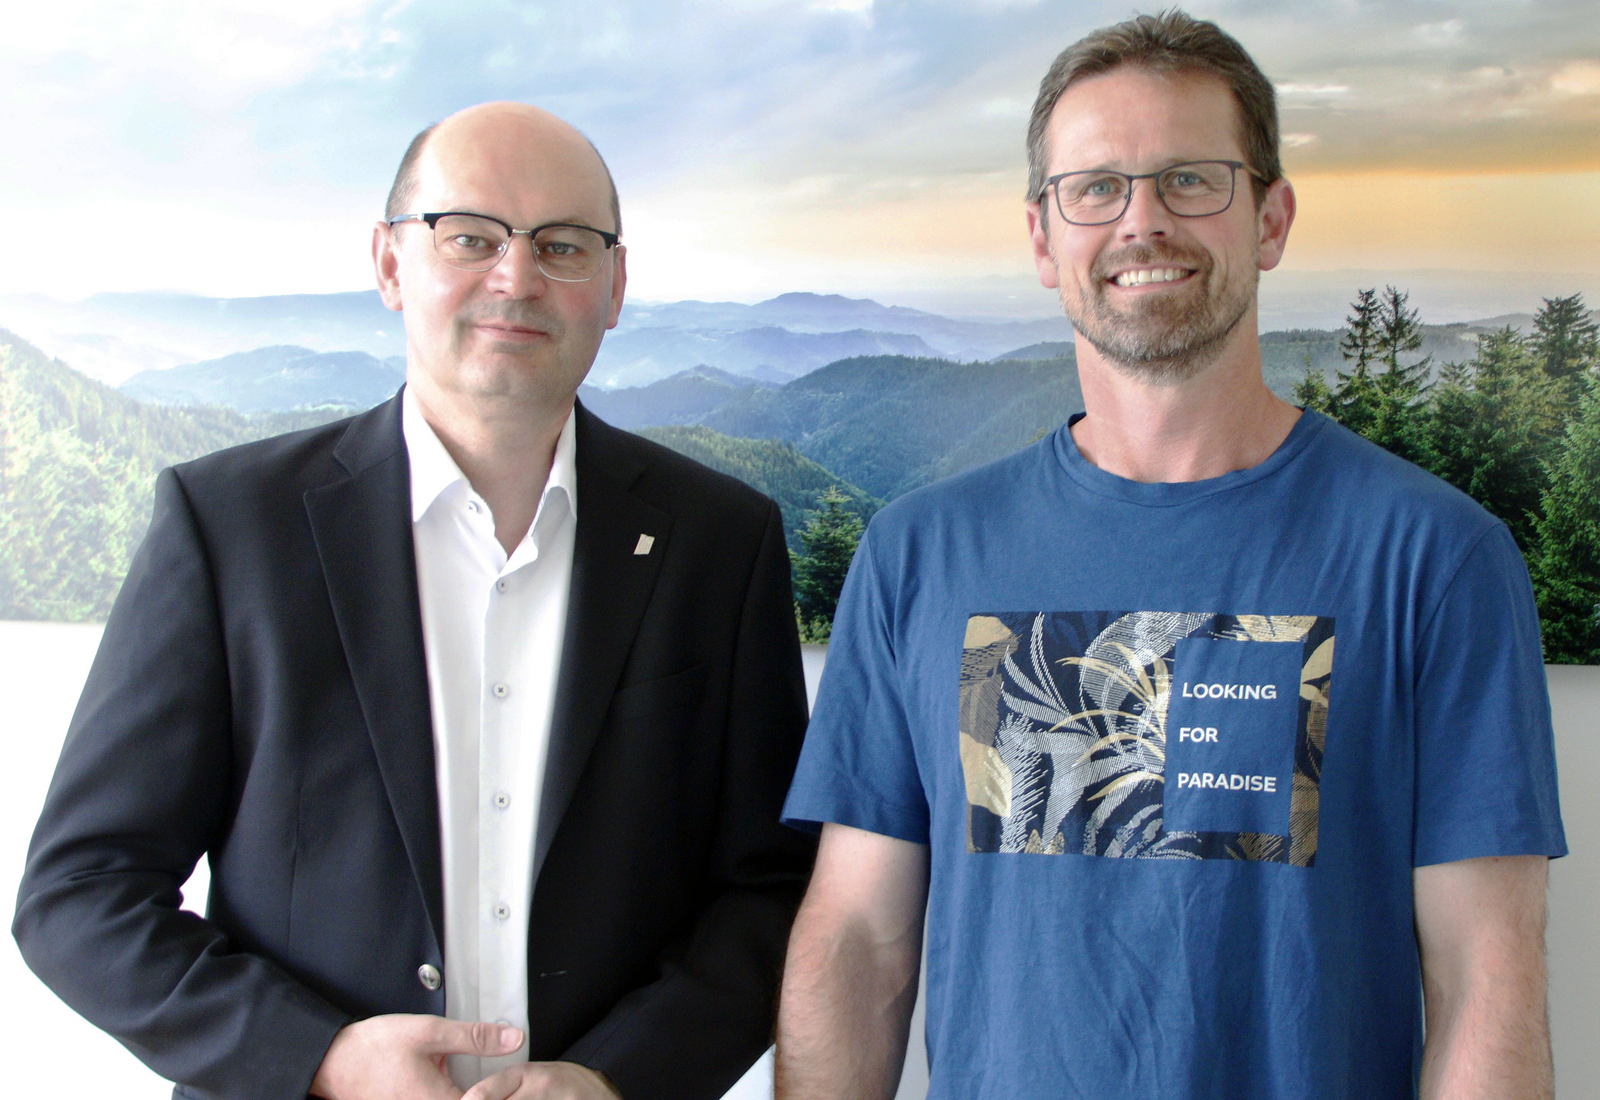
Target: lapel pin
x: 644, y: 544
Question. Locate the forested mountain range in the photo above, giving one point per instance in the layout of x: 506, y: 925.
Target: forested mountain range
x: 78, y: 456
x: 777, y: 469
x: 891, y: 423
x: 1512, y: 417
x: 681, y: 399
x: 77, y: 460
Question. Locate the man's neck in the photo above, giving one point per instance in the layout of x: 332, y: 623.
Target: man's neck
x: 1221, y: 420
x: 505, y: 449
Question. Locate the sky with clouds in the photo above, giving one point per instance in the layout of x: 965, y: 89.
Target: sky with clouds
x: 237, y: 147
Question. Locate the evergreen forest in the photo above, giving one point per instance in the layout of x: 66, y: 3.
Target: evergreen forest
x: 78, y: 461
x: 1516, y: 427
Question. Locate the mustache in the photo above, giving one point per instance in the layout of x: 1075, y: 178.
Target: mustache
x: 1158, y: 252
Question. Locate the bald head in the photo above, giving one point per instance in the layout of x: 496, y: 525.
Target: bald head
x: 517, y: 135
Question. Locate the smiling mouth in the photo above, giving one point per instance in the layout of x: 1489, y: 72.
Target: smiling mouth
x: 1151, y: 275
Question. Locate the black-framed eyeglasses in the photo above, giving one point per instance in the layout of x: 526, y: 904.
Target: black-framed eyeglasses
x: 475, y: 242
x: 1099, y: 196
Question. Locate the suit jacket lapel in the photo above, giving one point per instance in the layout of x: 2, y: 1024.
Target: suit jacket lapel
x: 362, y: 527
x: 611, y: 586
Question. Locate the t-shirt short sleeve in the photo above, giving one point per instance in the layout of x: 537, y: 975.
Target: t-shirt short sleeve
x: 1486, y: 770
x: 858, y: 766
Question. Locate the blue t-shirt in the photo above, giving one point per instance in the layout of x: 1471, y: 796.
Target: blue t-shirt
x: 1176, y: 749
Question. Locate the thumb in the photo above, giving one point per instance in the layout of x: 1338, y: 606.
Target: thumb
x: 476, y: 1037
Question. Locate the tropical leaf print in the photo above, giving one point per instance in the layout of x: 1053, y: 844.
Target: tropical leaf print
x: 1063, y: 734
x: 1316, y: 677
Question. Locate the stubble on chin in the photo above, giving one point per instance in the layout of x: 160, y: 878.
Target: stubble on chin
x: 1161, y: 339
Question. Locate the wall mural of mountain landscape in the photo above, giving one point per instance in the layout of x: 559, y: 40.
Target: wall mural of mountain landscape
x: 828, y: 404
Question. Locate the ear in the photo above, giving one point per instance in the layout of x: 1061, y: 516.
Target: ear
x: 1273, y: 221
x: 386, y: 264
x: 619, y: 282
x: 1043, y: 256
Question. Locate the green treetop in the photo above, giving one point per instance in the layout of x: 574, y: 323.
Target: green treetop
x: 1312, y: 391
x: 1565, y: 343
x: 1382, y: 405
x: 830, y: 540
x: 1488, y: 431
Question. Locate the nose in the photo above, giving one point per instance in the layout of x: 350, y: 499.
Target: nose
x: 1147, y: 216
x: 517, y: 275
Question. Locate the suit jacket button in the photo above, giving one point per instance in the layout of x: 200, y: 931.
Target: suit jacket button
x: 428, y: 975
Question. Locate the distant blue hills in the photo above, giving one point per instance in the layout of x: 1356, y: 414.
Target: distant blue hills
x: 793, y: 334
x: 114, y: 336
x: 684, y: 398
x: 274, y: 378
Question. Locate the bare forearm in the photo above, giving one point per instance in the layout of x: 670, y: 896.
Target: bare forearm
x: 1481, y: 929
x: 1489, y: 1043
x: 845, y: 1013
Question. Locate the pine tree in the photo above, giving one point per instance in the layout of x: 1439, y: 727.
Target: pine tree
x: 1400, y: 333
x: 1383, y: 405
x: 1351, y: 400
x: 830, y: 540
x: 1566, y: 561
x: 1565, y: 343
x: 1487, y: 433
x: 1360, y: 340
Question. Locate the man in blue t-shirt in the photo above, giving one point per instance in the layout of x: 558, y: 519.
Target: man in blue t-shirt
x: 1212, y: 739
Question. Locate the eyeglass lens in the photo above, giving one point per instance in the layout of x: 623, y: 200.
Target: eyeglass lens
x: 1188, y: 190
x: 564, y: 253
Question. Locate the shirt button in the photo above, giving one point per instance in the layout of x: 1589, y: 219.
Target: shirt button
x: 428, y: 975
x: 501, y: 800
x: 500, y: 586
x: 502, y: 911
x: 502, y: 690
x: 472, y: 506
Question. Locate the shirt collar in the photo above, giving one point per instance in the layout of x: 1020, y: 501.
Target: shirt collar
x: 433, y: 470
x: 564, y: 468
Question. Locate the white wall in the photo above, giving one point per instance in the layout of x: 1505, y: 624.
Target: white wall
x: 1573, y: 939
x: 42, y: 667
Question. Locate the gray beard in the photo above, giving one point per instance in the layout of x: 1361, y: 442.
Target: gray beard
x: 1166, y: 340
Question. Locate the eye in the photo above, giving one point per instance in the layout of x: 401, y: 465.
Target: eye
x: 1089, y: 187
x: 468, y: 240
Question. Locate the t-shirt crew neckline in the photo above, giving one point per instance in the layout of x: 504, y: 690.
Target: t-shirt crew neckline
x: 1167, y: 494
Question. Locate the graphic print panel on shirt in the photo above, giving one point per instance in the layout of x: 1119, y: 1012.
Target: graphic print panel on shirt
x: 1070, y: 720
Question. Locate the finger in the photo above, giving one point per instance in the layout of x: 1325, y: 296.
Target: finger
x: 504, y: 1085
x: 473, y: 1037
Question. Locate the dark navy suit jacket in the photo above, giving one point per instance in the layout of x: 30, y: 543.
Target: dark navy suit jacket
x: 260, y: 697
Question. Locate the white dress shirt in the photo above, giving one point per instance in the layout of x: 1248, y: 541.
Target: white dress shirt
x: 492, y: 630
